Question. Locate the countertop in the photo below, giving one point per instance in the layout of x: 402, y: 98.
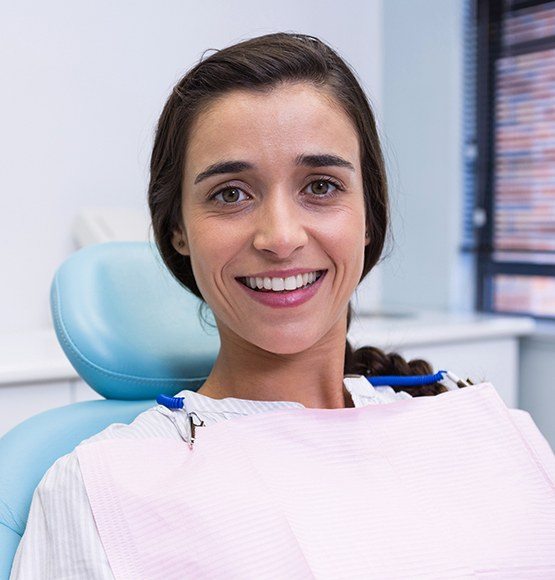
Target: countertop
x: 434, y: 327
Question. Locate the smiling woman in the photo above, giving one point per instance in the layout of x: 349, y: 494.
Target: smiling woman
x: 268, y: 198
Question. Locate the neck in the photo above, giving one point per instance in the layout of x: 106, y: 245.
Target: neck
x: 313, y: 377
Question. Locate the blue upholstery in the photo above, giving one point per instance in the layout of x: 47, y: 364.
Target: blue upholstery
x: 129, y: 329
x: 131, y: 332
x: 28, y: 450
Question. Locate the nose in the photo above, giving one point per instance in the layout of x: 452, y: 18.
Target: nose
x: 280, y: 227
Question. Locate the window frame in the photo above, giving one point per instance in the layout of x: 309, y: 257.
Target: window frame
x: 489, y: 17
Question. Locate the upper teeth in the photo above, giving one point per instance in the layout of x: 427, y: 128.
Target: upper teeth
x: 278, y: 284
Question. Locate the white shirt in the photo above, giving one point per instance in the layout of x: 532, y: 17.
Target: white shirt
x: 61, y: 540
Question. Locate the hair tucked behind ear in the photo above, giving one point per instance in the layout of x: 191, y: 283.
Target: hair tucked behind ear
x: 261, y: 64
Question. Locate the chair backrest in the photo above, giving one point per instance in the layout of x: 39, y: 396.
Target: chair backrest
x: 128, y: 327
x: 131, y: 331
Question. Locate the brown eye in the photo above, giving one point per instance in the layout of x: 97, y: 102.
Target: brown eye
x: 320, y: 187
x: 228, y: 196
x: 324, y: 188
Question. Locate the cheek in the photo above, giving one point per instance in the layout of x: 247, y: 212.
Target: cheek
x: 347, y: 247
x: 346, y: 233
x: 212, y: 246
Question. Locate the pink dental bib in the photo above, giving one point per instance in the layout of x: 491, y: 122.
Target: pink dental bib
x: 451, y: 486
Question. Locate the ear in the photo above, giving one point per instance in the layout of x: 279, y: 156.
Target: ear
x: 180, y: 242
x: 366, y: 238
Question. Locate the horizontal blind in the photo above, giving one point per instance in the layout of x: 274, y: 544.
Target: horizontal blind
x: 515, y: 169
x: 524, y: 164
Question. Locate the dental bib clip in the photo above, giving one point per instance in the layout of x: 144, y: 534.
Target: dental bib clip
x: 176, y: 404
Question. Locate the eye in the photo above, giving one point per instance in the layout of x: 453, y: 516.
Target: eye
x: 229, y: 195
x: 321, y: 187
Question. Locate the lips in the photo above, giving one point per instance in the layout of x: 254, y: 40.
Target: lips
x: 244, y: 281
x: 287, y: 298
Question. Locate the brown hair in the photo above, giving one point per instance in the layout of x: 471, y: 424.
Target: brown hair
x: 260, y: 64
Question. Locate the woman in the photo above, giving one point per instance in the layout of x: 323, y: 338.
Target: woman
x: 288, y: 106
x: 269, y: 202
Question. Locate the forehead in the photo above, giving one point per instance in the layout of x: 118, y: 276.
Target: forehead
x: 274, y: 126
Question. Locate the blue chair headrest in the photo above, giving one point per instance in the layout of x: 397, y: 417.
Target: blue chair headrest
x: 130, y: 330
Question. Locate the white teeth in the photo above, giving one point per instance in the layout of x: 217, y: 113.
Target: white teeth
x: 291, y: 283
x: 280, y: 284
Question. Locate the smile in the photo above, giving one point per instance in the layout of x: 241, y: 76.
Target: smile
x: 288, y: 284
x: 279, y: 296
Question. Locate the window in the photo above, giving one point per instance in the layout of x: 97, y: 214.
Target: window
x: 510, y: 154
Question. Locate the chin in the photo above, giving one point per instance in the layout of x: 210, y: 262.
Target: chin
x: 286, y: 344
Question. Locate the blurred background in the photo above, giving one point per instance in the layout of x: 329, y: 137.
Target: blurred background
x: 464, y: 95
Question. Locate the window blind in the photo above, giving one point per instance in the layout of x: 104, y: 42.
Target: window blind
x: 516, y: 136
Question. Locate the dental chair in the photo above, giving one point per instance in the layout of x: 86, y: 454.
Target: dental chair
x: 131, y: 332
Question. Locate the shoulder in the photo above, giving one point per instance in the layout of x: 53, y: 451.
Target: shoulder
x: 61, y: 535
x: 154, y: 422
x: 59, y: 477
x: 63, y: 481
x: 61, y: 539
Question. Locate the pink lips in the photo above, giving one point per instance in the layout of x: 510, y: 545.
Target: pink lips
x: 285, y: 299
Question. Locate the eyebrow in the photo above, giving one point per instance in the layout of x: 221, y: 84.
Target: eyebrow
x: 315, y: 160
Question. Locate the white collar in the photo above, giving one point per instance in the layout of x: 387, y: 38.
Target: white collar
x: 361, y: 391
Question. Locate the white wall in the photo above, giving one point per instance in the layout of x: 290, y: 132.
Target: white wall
x: 422, y: 120
x: 537, y: 395
x: 83, y: 84
x: 423, y: 99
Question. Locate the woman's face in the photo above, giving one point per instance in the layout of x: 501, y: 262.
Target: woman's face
x: 272, y: 189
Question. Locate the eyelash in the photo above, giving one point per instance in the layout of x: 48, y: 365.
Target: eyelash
x: 333, y: 182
